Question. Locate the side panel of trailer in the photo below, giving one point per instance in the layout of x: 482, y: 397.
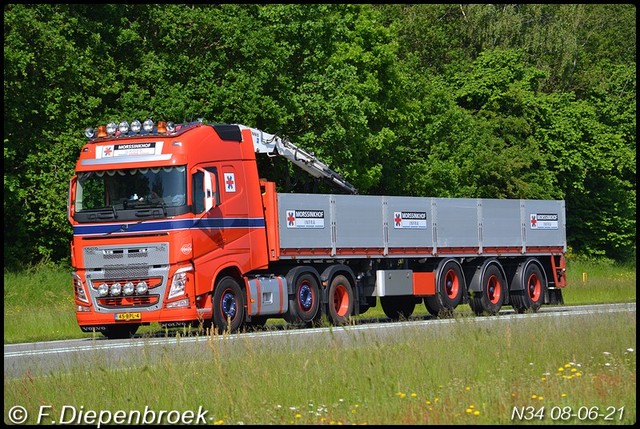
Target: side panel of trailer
x: 357, y: 225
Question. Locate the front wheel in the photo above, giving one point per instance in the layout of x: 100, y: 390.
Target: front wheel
x: 340, y: 306
x: 228, y: 306
x: 114, y: 332
x: 257, y: 323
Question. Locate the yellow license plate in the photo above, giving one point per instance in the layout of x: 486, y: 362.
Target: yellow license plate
x: 128, y: 316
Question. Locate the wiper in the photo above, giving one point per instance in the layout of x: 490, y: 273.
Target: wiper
x: 103, y: 213
x: 147, y: 209
x: 122, y: 228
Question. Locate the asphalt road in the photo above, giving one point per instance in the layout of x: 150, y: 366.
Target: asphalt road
x: 60, y: 356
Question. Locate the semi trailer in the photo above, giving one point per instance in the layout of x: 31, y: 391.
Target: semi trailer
x: 174, y: 224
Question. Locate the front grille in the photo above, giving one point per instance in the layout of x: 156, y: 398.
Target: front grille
x: 148, y: 262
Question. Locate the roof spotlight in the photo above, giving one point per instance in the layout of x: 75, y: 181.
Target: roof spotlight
x: 111, y: 128
x: 148, y: 125
x: 135, y: 126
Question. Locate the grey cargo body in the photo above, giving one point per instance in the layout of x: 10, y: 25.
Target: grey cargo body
x: 383, y: 226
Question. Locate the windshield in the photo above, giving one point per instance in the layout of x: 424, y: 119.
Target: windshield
x: 131, y: 188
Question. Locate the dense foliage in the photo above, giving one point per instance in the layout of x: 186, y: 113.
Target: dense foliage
x: 496, y: 101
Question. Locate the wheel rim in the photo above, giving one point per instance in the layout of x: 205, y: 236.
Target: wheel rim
x: 534, y: 287
x: 341, y: 301
x: 451, y: 284
x: 494, y: 290
x: 228, y: 305
x: 305, y: 296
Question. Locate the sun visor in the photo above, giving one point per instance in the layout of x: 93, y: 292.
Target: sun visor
x: 228, y: 132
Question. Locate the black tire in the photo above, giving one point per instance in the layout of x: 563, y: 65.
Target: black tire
x: 256, y: 323
x: 433, y: 307
x: 531, y: 297
x: 117, y: 332
x: 449, y: 290
x: 340, y: 297
x: 305, y: 305
x: 490, y: 299
x: 398, y: 307
x: 228, y: 306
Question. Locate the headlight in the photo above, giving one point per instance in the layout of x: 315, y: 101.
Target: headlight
x: 81, y: 295
x: 179, y: 282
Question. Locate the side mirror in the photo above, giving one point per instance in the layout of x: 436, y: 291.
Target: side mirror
x: 72, y: 197
x: 210, y: 189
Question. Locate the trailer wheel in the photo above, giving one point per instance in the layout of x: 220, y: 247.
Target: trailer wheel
x: 398, y: 307
x: 114, y: 332
x: 531, y: 296
x: 434, y: 307
x: 340, y: 297
x: 228, y: 306
x: 491, y: 298
x: 305, y: 304
x: 449, y: 290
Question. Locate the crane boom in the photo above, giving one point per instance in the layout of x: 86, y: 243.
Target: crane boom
x: 273, y: 145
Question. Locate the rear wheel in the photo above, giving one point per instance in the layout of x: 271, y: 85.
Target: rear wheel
x: 114, y: 332
x: 449, y: 290
x: 398, y: 307
x: 228, y: 306
x: 490, y: 299
x: 340, y: 296
x: 531, y: 297
x: 305, y: 304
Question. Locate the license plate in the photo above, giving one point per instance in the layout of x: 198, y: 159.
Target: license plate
x: 128, y: 316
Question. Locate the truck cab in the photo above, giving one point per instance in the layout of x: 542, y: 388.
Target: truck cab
x: 159, y: 211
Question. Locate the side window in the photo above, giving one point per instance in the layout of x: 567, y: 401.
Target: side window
x: 198, y: 191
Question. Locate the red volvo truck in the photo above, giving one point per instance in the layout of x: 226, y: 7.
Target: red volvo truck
x: 173, y: 224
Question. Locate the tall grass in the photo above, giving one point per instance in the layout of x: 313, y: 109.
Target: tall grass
x: 38, y: 303
x: 599, y: 281
x: 459, y: 373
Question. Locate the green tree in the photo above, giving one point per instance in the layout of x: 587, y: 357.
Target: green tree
x: 52, y: 76
x: 480, y: 100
